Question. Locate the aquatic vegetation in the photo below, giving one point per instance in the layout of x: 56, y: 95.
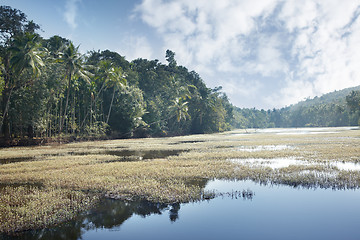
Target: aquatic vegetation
x: 88, y: 168
x: 24, y: 207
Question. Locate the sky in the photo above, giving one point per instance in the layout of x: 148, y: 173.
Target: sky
x: 264, y: 53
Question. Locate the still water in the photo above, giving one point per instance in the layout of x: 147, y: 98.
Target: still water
x: 272, y: 212
x: 123, y: 155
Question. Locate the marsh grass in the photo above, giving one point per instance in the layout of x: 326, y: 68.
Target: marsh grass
x: 62, y: 180
x: 24, y: 207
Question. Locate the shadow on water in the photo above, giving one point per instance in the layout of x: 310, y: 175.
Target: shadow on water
x: 186, y: 141
x: 108, y: 214
x: 134, y: 155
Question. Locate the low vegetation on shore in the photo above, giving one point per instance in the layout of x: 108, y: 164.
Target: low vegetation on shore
x: 45, y: 185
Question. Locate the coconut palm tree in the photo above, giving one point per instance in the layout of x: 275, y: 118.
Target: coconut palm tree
x: 25, y: 53
x: 117, y: 81
x: 74, y: 67
x: 109, y: 76
x: 180, y: 109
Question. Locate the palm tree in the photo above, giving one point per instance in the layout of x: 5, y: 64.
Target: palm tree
x: 180, y: 109
x: 110, y: 77
x: 74, y: 67
x: 117, y: 80
x: 25, y: 53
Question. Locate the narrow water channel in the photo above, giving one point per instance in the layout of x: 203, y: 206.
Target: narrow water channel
x: 272, y: 212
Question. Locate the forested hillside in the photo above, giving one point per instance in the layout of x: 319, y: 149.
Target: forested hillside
x: 49, y: 89
x: 330, y: 110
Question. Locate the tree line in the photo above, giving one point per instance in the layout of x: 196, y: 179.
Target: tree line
x: 339, y: 108
x: 49, y: 89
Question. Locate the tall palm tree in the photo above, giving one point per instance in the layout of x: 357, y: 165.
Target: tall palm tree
x: 25, y: 53
x: 109, y: 76
x: 117, y: 80
x: 74, y: 67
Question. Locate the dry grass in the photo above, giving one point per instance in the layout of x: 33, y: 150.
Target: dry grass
x: 67, y: 176
x: 28, y: 207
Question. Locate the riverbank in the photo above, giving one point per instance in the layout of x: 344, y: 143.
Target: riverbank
x: 72, y: 177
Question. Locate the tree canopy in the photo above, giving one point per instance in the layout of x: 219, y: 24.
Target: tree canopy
x: 49, y: 89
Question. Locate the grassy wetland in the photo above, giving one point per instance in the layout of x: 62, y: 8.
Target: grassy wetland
x: 46, y: 185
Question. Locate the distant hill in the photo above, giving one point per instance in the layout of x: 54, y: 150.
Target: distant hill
x: 329, y: 110
x: 338, y: 97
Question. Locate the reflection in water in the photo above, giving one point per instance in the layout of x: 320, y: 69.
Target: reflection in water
x: 128, y: 155
x: 174, y: 212
x: 277, y: 212
x: 277, y: 163
x: 108, y: 214
x: 274, y: 163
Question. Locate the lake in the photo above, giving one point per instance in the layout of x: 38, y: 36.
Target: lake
x: 271, y: 212
x: 322, y: 163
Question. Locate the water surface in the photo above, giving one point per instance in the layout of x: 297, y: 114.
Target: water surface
x: 273, y: 212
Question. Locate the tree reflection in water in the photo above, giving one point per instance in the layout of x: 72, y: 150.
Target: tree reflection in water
x: 108, y: 214
x: 174, y: 212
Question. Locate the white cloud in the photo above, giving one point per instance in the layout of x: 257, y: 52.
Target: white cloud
x: 327, y: 59
x: 209, y: 29
x: 268, y: 57
x: 307, y: 47
x: 71, y: 12
x: 134, y: 47
x: 293, y: 92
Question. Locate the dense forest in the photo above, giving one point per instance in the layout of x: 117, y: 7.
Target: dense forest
x: 339, y: 108
x: 49, y: 89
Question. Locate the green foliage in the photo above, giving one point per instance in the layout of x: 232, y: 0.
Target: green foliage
x: 99, y: 93
x: 170, y: 57
x: 179, y: 109
x: 129, y: 107
x: 19, y: 50
x: 14, y: 22
x: 340, y: 108
x: 353, y: 100
x: 26, y: 52
x: 96, y: 129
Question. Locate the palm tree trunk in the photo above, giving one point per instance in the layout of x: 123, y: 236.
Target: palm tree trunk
x: 73, y: 115
x: 60, y: 114
x: 112, y: 100
x: 91, y: 103
x: 66, y: 103
x: 5, y: 122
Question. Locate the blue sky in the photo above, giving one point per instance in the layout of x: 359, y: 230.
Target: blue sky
x: 265, y: 53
